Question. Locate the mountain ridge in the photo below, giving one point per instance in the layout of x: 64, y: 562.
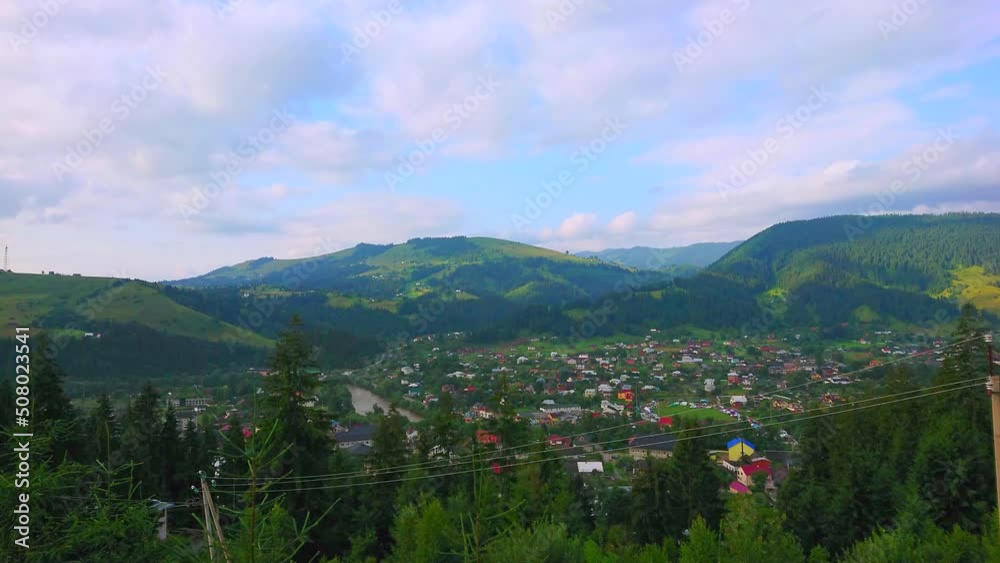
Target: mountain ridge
x: 698, y: 255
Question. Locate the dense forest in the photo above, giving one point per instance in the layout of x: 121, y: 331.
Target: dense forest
x: 908, y: 477
x: 867, y: 272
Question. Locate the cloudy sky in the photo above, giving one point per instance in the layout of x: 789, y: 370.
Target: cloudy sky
x: 163, y: 139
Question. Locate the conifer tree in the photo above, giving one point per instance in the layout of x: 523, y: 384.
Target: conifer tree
x: 302, y: 434
x: 140, y: 440
x: 173, y: 482
x: 103, y: 430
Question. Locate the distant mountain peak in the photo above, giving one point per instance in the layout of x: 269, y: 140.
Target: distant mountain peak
x: 697, y: 255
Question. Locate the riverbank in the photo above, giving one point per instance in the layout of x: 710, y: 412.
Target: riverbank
x: 364, y: 402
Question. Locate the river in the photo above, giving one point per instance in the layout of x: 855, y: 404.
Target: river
x: 364, y: 402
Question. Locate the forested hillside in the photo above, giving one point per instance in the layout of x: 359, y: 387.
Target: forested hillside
x: 902, y: 474
x: 470, y: 267
x: 898, y: 270
x: 917, y: 253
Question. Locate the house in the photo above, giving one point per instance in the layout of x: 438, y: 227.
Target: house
x: 363, y: 434
x: 738, y: 401
x: 738, y: 488
x: 557, y: 441
x: 185, y: 417
x: 484, y: 437
x: 651, y: 446
x: 559, y: 409
x: 190, y: 402
x: 746, y: 473
x: 588, y: 467
x: 739, y: 448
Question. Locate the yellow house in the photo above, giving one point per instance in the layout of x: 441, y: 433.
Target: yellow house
x: 738, y: 448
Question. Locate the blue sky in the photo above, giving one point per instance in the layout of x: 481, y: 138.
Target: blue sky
x: 163, y: 140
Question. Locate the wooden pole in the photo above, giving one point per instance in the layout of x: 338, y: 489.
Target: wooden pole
x: 218, y: 527
x: 995, y: 400
x: 208, y: 520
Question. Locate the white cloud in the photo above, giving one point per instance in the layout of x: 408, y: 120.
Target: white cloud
x: 623, y: 224
x: 576, y: 225
x: 556, y: 84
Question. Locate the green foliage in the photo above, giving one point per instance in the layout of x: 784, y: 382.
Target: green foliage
x: 753, y: 531
x: 702, y: 544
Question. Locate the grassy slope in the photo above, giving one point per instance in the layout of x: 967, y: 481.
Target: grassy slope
x: 402, y: 258
x: 26, y: 299
x: 973, y: 284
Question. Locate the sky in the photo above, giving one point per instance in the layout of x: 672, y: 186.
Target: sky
x: 163, y: 139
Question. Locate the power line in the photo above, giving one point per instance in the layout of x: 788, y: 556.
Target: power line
x: 469, y: 458
x: 532, y: 462
x: 791, y: 417
x: 883, y: 364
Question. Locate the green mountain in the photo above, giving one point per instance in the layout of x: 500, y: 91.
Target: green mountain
x: 889, y: 270
x: 457, y: 268
x: 894, y: 270
x: 104, y: 327
x: 697, y: 255
x: 87, y: 303
x: 942, y: 256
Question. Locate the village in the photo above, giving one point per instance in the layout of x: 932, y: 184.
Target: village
x: 606, y: 412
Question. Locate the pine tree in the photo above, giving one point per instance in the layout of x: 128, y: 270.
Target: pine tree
x: 103, y: 430
x: 694, y: 484
x: 52, y: 413
x: 169, y: 445
x: 303, y: 430
x: 49, y: 398
x: 702, y: 545
x: 195, y: 457
x: 140, y: 440
x: 445, y: 427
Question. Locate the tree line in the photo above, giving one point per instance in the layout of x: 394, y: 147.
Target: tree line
x: 905, y: 481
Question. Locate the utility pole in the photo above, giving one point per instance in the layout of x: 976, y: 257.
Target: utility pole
x: 994, y: 387
x: 212, y: 521
x: 208, y: 520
